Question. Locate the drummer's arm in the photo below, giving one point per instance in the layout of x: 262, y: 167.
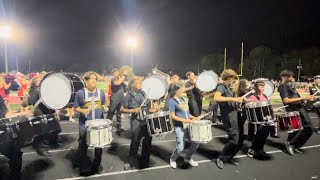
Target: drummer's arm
x: 288, y: 100
x: 119, y: 81
x: 177, y: 118
x: 219, y: 98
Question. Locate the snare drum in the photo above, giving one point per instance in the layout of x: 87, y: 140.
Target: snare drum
x: 290, y: 121
x: 52, y: 123
x: 57, y: 90
x: 200, y: 131
x: 155, y: 86
x: 99, y: 132
x: 8, y: 133
x: 159, y: 123
x: 38, y: 126
x: 260, y: 113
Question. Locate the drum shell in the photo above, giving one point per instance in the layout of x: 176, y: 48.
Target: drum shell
x: 99, y: 136
x: 201, y: 131
x: 38, y: 125
x: 159, y: 123
x: 259, y: 112
x: 52, y: 123
x: 290, y: 122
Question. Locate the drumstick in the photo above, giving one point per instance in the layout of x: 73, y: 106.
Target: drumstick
x: 315, y: 93
x: 144, y: 101
x: 202, y: 116
x: 281, y: 107
x: 252, y: 91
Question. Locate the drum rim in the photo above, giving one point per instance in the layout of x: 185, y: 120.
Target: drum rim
x: 108, y: 121
x: 258, y: 104
x: 158, y: 114
x: 199, y: 122
x: 72, y: 87
x: 289, y: 114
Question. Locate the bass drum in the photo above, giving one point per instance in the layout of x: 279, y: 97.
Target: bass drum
x: 155, y: 86
x: 57, y: 90
x: 268, y: 88
x: 207, y: 81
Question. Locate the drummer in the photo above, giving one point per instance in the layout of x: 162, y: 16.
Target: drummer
x: 172, y: 82
x: 256, y: 149
x: 13, y: 151
x: 180, y: 114
x: 230, y: 116
x: 82, y: 105
x: 134, y: 103
x: 295, y: 102
x: 315, y: 88
x: 194, y: 94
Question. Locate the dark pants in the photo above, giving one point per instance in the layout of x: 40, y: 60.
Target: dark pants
x: 115, y: 105
x: 39, y: 143
x: 299, y: 138
x: 14, y: 155
x: 139, y: 130
x: 260, y: 137
x: 251, y: 130
x: 233, y: 123
x: 195, y: 106
x: 213, y: 107
x: 82, y: 150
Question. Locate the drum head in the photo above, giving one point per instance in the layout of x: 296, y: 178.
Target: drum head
x: 269, y: 86
x: 155, y: 86
x: 55, y: 90
x: 207, y: 81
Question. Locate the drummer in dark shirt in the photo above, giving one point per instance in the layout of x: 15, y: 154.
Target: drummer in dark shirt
x: 118, y: 89
x: 295, y: 102
x: 12, y: 151
x: 134, y: 103
x: 315, y: 89
x: 194, y: 95
x: 39, y: 143
x: 231, y: 118
x: 174, y: 80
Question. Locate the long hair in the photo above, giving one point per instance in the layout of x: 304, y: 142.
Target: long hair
x: 242, y: 87
x: 33, y: 82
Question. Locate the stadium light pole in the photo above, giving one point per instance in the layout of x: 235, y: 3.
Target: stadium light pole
x: 5, y: 33
x: 132, y: 44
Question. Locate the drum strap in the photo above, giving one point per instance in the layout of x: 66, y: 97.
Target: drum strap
x: 177, y: 100
x: 88, y: 99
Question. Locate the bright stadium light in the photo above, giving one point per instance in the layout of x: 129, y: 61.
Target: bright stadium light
x: 5, y: 33
x: 132, y: 42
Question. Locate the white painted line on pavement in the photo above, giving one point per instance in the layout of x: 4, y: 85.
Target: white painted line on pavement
x: 168, y: 166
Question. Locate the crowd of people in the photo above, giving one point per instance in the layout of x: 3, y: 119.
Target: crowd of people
x: 230, y: 95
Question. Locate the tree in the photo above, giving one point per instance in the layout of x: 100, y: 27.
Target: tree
x: 213, y: 62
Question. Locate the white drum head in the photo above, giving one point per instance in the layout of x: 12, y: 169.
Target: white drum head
x: 269, y: 86
x: 55, y: 91
x: 154, y: 86
x: 207, y: 81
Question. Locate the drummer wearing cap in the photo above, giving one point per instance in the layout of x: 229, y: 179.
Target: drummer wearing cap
x: 82, y: 105
x: 135, y: 103
x: 295, y: 102
x: 230, y: 116
x: 118, y: 89
x: 315, y: 89
x: 180, y: 114
x: 256, y: 149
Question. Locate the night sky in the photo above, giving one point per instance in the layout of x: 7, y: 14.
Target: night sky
x: 169, y: 31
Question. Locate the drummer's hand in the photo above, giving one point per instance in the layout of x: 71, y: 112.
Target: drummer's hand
x: 136, y: 110
x: 248, y: 100
x: 86, y: 112
x: 106, y: 109
x: 308, y: 97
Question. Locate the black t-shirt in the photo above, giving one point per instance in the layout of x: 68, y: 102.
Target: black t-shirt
x: 194, y: 93
x: 117, y: 90
x: 3, y: 108
x: 287, y: 91
x: 226, y: 91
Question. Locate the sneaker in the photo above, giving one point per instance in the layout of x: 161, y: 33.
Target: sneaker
x: 289, y: 148
x: 298, y: 150
x: 72, y: 120
x: 263, y: 155
x: 250, y: 153
x: 233, y: 162
x: 220, y: 163
x: 127, y: 166
x: 173, y: 164
x: 192, y: 163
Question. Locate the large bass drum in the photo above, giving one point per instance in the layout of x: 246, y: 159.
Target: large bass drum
x: 207, y: 81
x: 57, y: 90
x: 155, y: 86
x: 269, y: 86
